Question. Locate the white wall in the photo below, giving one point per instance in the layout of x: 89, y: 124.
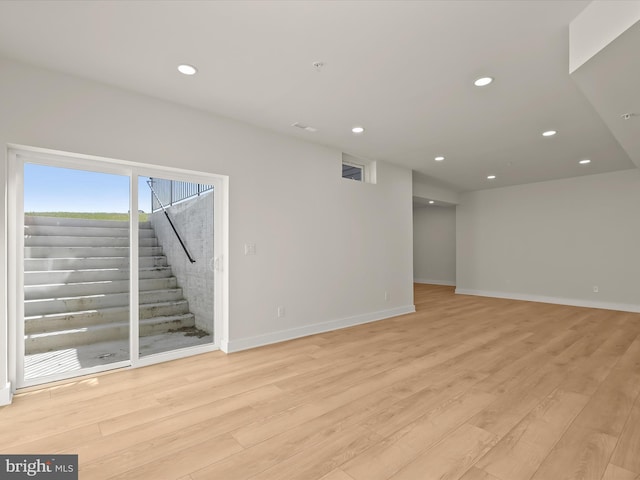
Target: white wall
x: 327, y: 249
x: 430, y: 189
x: 554, y: 241
x: 434, y: 245
x: 599, y: 24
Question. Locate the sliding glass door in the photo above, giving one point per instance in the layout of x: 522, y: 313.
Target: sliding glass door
x: 76, y: 270
x: 89, y: 293
x: 176, y: 281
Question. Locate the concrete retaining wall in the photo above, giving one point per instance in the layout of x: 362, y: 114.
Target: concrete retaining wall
x: 194, y: 221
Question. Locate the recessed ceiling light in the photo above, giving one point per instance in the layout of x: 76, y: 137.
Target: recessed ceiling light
x: 357, y: 129
x: 187, y: 69
x: 584, y: 162
x: 491, y: 177
x: 483, y: 81
x: 549, y: 133
x: 439, y: 159
x: 431, y: 202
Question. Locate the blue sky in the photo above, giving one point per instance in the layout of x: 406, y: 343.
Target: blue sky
x: 53, y: 189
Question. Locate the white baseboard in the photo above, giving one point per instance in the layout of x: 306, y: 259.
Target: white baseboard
x: 6, y: 395
x: 434, y: 282
x: 623, y: 307
x: 230, y: 346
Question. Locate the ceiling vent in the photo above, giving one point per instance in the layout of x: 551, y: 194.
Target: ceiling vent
x: 304, y: 127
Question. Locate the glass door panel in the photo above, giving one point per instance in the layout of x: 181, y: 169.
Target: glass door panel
x: 176, y: 265
x: 76, y: 271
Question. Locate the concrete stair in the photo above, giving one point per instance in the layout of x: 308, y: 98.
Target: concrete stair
x: 77, y: 284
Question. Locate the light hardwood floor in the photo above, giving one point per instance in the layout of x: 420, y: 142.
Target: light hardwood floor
x: 467, y: 388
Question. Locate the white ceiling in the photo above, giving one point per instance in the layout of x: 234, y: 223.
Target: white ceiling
x: 402, y: 69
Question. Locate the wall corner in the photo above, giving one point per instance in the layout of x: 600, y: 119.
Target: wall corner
x: 6, y: 395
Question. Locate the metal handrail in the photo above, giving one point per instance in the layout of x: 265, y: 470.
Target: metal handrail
x: 166, y: 214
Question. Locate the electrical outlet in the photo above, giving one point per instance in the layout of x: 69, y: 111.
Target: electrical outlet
x: 595, y: 289
x: 249, y: 248
x: 280, y: 311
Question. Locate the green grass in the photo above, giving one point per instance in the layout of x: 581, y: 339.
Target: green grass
x: 89, y: 215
